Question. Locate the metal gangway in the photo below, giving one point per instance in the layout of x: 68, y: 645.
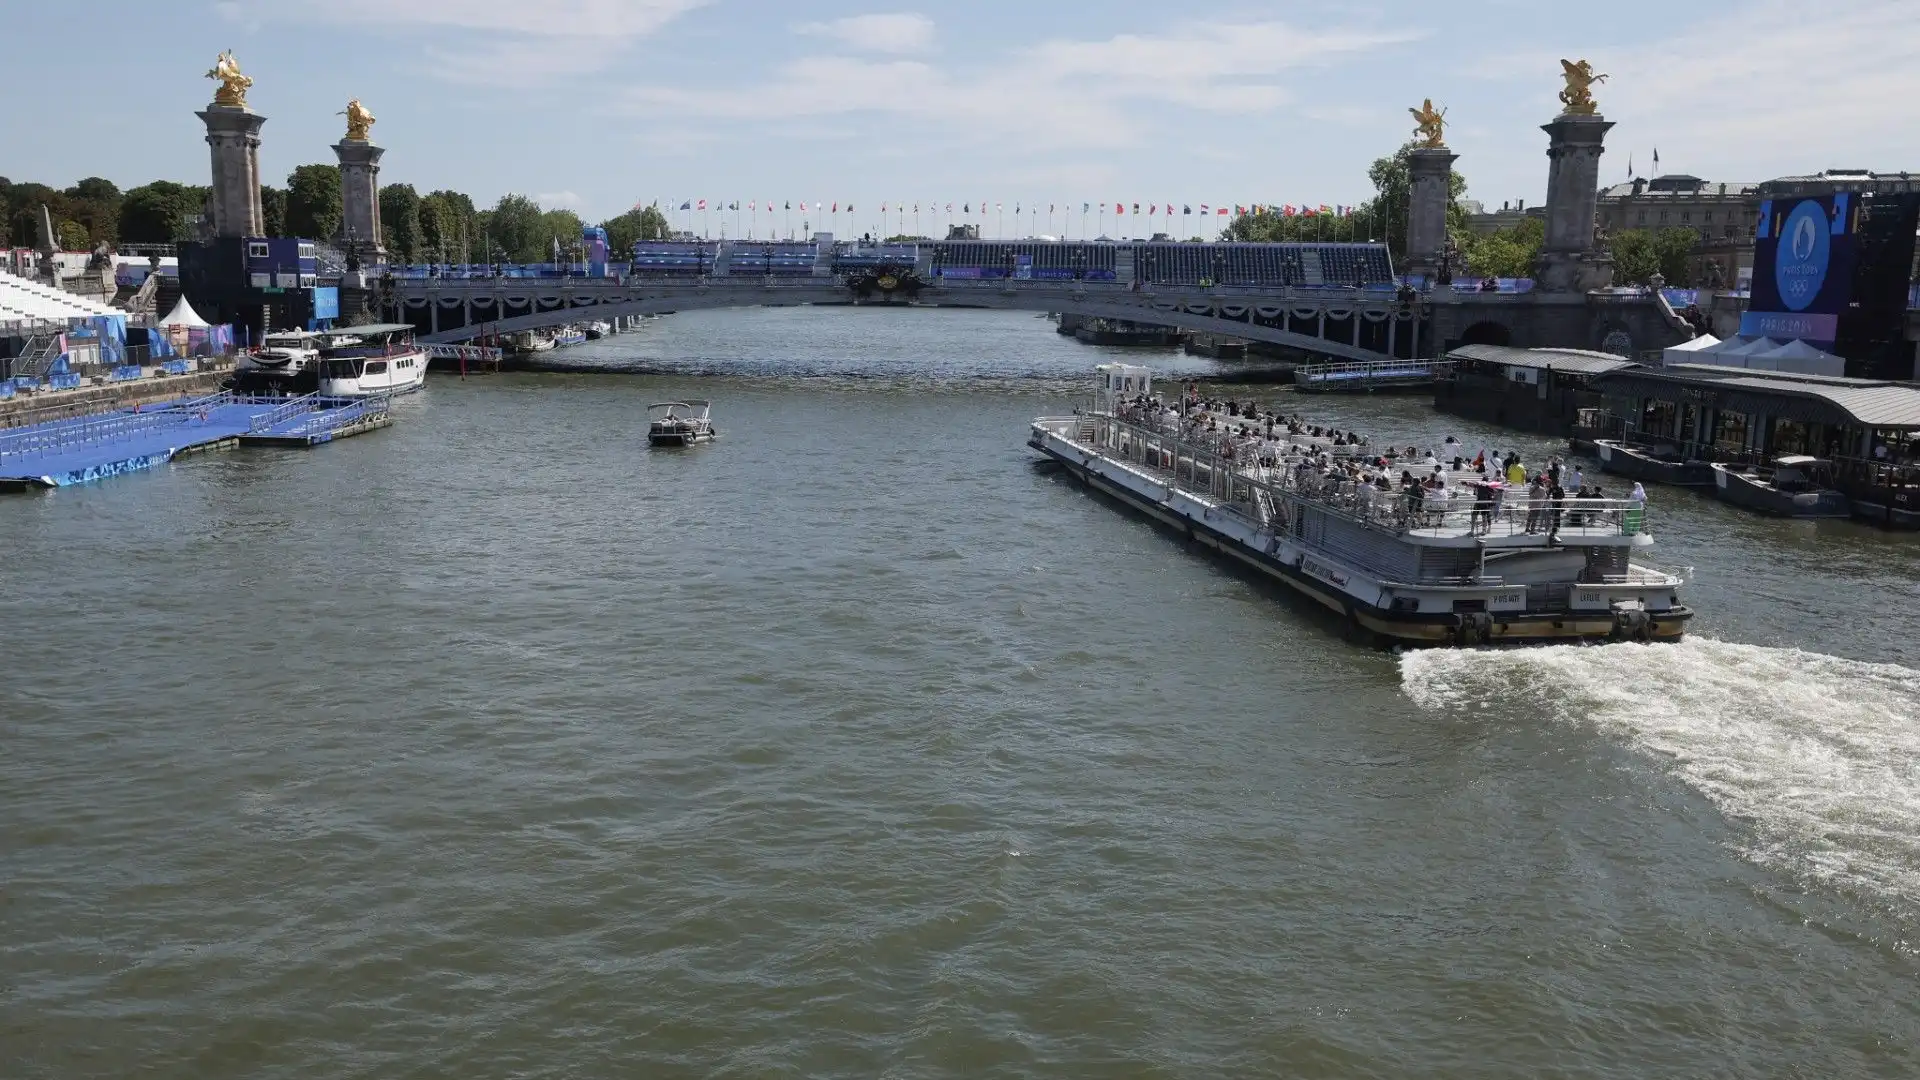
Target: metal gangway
x: 1368, y: 375
x: 60, y: 435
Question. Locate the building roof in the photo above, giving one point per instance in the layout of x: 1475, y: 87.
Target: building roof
x: 1818, y: 399
x: 1694, y: 188
x: 1569, y: 360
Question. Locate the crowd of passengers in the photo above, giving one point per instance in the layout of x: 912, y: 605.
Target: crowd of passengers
x: 1343, y: 466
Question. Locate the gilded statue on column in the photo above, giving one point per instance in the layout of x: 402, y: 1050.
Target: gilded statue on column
x: 1578, y: 96
x: 359, y: 120
x: 233, y: 84
x: 1431, y: 124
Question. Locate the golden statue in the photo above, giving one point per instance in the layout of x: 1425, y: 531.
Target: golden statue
x: 358, y: 121
x: 1578, y: 96
x: 233, y: 85
x: 1431, y: 125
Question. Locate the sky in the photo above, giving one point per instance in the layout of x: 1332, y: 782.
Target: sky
x: 601, y: 105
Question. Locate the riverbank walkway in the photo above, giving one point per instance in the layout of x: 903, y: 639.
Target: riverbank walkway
x: 80, y: 450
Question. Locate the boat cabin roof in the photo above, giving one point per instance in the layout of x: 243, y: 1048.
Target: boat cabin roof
x: 690, y: 403
x: 371, y: 330
x: 1798, y: 461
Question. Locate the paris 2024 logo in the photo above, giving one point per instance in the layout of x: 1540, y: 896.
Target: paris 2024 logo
x: 1800, y: 261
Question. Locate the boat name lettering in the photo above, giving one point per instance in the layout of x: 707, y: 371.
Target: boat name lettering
x: 1324, y: 572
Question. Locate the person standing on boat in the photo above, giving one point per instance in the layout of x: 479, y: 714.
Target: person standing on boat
x: 1574, y: 480
x: 1516, y: 473
x: 1537, y: 504
x: 1556, y: 500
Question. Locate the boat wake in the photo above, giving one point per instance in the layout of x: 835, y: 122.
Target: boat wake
x: 1820, y: 755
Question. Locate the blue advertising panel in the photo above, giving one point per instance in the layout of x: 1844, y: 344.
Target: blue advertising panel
x: 326, y: 302
x: 1802, y: 269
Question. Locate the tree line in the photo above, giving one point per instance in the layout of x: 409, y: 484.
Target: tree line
x: 1638, y: 254
x: 440, y: 226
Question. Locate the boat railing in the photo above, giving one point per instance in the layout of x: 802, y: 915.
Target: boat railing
x: 1235, y: 473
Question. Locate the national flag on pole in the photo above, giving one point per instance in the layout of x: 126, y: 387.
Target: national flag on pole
x: 1188, y: 210
x: 1084, y: 207
x: 1222, y: 211
x: 1203, y: 208
x: 1325, y: 209
x: 686, y: 206
x: 703, y: 204
x: 836, y: 207
x: 1119, y: 208
x: 1136, y: 208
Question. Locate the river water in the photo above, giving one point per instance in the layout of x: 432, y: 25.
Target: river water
x: 853, y: 745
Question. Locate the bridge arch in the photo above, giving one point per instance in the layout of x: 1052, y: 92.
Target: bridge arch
x: 1487, y: 332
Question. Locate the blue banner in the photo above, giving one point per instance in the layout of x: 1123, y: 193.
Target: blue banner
x: 326, y: 302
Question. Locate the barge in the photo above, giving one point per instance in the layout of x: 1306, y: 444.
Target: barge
x: 1656, y: 463
x: 1421, y: 567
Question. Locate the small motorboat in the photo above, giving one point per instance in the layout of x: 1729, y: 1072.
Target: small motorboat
x: 1793, y: 485
x: 1659, y: 463
x: 680, y: 423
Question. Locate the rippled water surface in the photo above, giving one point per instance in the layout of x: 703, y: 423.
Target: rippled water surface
x: 854, y: 745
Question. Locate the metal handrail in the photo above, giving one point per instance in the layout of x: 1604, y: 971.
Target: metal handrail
x: 1226, y: 463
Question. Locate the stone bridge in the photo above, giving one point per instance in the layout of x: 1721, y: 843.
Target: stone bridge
x: 1338, y: 324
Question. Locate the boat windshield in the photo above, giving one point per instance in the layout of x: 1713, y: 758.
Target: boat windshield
x: 678, y: 410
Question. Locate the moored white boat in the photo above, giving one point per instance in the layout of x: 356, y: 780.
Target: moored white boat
x: 1659, y: 463
x: 362, y: 361
x: 680, y: 423
x: 1430, y: 567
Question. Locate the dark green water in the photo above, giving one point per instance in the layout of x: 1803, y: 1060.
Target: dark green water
x: 495, y: 745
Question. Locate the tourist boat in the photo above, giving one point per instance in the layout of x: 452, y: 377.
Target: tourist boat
x: 569, y: 335
x: 364, y: 361
x: 284, y: 363
x: 1396, y: 570
x: 680, y: 423
x: 1793, y: 485
x: 598, y: 329
x: 1658, y: 463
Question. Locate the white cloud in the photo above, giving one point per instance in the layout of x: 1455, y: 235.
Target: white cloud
x: 554, y: 200
x: 901, y: 32
x: 1057, y: 94
x: 512, y: 43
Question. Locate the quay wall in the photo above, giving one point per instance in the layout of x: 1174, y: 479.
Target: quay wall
x: 62, y: 404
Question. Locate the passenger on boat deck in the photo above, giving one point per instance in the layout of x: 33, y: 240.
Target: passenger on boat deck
x: 1574, y: 480
x: 1536, y: 504
x: 1638, y: 496
x: 1516, y: 472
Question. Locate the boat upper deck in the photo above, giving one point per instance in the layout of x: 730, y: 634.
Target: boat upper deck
x: 1444, y: 507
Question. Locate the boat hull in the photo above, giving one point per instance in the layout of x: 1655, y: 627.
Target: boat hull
x: 1623, y: 460
x: 1741, y: 489
x: 1388, y: 627
x: 679, y: 438
x: 404, y: 373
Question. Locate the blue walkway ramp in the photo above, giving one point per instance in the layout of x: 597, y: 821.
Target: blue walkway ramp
x: 312, y: 420
x: 82, y: 449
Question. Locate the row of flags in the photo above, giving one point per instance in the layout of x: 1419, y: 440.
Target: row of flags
x: 1118, y: 209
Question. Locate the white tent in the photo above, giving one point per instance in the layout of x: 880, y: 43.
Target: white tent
x: 1801, y: 358
x: 1683, y: 352
x: 184, y: 315
x: 1744, y: 346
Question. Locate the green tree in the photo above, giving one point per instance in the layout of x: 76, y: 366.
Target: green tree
x: 273, y: 210
x: 1506, y: 253
x: 23, y: 211
x: 314, y: 209
x: 632, y: 227
x: 1638, y: 254
x: 560, y: 228
x: 447, y: 227
x: 400, y: 221
x: 73, y: 236
x: 516, y: 229
x: 160, y: 213
x: 95, y: 204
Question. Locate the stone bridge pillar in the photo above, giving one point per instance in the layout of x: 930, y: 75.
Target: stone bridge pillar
x: 1429, y: 173
x: 233, y: 131
x: 1568, y: 260
x: 360, y: 199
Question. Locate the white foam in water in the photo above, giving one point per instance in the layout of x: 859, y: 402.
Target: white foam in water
x: 1820, y: 755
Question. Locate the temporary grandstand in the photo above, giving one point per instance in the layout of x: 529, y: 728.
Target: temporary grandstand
x: 790, y: 258
x: 1296, y: 265
x: 26, y: 304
